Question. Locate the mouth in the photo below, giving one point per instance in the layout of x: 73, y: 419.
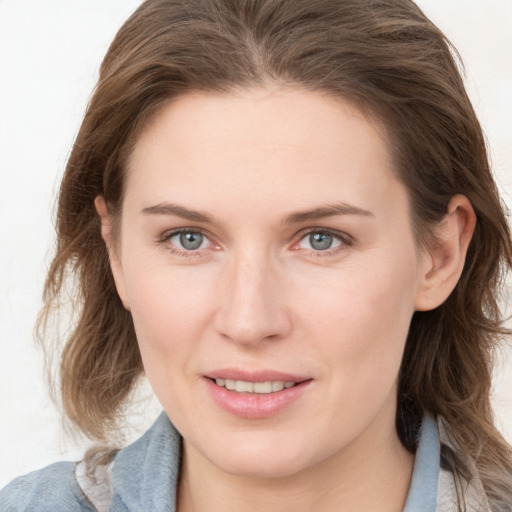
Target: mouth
x: 256, y: 395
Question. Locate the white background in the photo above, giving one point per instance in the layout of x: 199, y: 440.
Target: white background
x: 50, y: 52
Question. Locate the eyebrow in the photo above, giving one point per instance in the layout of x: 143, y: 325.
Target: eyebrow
x: 330, y: 210
x: 294, y: 218
x: 177, y: 211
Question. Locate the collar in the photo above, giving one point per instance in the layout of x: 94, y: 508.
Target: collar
x: 425, y: 477
x: 145, y: 474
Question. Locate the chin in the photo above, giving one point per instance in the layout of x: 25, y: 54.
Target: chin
x: 265, y: 457
x: 261, y: 467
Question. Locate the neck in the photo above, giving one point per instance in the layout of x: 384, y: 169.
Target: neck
x: 373, y: 474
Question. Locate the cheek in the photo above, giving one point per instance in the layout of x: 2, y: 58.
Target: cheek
x: 170, y: 314
x: 168, y: 307
x: 360, y: 320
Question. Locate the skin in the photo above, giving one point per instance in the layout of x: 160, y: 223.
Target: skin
x: 257, y: 295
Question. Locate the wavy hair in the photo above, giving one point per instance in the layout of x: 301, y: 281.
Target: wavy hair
x: 388, y: 59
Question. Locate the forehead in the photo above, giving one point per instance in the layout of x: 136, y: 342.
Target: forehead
x: 260, y: 144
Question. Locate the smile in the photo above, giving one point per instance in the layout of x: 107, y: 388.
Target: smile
x: 262, y: 395
x: 242, y: 386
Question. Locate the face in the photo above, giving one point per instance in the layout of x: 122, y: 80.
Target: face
x: 266, y: 246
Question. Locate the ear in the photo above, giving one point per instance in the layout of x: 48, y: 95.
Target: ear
x: 441, y: 266
x: 114, y: 257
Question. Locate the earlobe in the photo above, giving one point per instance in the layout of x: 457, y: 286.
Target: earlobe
x: 442, y: 265
x: 106, y: 233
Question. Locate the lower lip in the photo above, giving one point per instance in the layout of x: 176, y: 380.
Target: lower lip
x: 255, y: 405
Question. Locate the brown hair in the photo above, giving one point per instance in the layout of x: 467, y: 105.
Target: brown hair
x: 388, y: 59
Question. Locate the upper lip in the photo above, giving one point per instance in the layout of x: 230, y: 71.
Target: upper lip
x: 254, y: 375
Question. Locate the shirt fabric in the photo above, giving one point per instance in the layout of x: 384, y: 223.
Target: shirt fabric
x: 144, y: 476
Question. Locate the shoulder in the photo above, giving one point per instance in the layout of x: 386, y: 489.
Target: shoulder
x: 52, y: 488
x: 459, y: 481
x: 141, y: 476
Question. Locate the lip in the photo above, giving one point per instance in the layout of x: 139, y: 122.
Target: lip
x: 255, y: 406
x: 254, y: 375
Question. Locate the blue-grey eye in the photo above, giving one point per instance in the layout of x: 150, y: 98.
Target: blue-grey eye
x: 189, y: 240
x: 320, y: 241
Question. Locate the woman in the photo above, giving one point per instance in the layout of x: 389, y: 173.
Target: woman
x: 282, y: 213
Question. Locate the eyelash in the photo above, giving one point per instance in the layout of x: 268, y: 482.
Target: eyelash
x: 166, y: 237
x: 346, y: 241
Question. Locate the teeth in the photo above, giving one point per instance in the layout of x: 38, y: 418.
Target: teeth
x: 262, y: 387
x: 277, y: 386
x: 242, y: 386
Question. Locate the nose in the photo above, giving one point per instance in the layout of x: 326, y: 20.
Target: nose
x: 253, y: 306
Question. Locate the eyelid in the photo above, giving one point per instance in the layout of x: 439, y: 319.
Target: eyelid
x: 345, y: 237
x: 166, y: 235
x: 164, y: 239
x: 346, y: 240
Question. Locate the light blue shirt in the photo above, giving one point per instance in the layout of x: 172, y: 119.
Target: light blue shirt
x: 145, y: 477
x: 425, y: 477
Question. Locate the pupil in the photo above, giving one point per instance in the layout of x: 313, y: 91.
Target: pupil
x: 191, y: 241
x: 320, y: 241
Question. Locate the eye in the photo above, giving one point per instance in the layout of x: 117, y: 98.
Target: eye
x: 189, y: 240
x: 321, y: 240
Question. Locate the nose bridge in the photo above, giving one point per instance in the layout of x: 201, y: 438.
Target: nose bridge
x: 252, y: 309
